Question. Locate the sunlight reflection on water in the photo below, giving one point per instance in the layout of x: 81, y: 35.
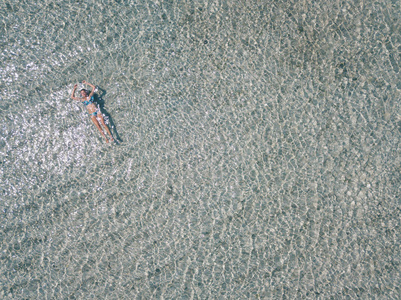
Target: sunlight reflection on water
x: 257, y: 156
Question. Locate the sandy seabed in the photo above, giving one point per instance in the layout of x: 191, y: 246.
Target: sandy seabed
x: 258, y: 150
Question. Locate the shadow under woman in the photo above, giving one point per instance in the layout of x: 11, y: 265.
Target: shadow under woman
x: 108, y: 119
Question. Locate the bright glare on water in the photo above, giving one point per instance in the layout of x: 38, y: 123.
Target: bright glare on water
x: 258, y: 152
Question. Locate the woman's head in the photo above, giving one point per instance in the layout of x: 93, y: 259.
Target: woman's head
x: 83, y: 93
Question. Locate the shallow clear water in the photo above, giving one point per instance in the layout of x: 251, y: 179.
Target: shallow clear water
x: 258, y: 155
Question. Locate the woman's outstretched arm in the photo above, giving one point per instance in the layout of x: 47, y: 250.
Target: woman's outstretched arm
x: 92, y: 86
x: 73, y: 93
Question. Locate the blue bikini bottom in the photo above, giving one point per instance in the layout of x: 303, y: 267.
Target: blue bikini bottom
x: 94, y: 114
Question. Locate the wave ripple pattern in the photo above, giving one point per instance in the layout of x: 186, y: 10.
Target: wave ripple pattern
x: 258, y: 155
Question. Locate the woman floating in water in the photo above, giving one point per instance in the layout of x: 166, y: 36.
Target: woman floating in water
x: 93, y: 111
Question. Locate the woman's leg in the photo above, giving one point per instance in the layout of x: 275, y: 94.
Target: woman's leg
x: 104, y: 124
x: 98, y: 127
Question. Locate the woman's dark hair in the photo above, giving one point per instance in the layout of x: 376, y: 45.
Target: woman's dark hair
x: 83, y: 90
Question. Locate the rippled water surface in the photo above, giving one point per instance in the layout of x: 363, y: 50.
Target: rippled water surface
x: 258, y: 150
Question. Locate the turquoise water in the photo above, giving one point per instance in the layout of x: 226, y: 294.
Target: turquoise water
x: 258, y: 150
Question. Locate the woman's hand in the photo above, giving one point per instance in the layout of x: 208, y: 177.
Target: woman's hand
x: 92, y: 86
x: 73, y: 92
